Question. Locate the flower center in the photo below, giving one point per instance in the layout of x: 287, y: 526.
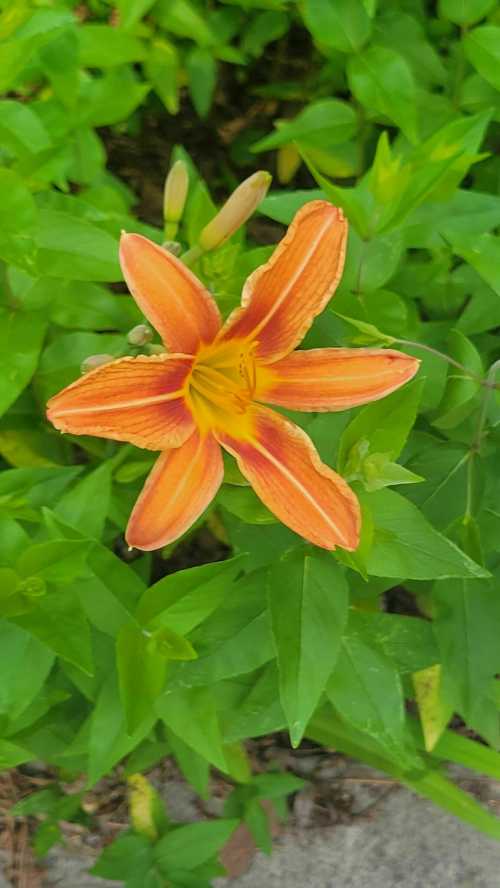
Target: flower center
x: 222, y: 383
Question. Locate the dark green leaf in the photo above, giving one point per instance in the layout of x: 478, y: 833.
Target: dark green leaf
x: 308, y: 600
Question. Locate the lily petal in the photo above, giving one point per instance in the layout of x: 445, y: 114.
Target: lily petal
x: 333, y: 378
x: 281, y: 298
x: 139, y: 400
x: 179, y: 488
x: 172, y: 298
x: 286, y: 472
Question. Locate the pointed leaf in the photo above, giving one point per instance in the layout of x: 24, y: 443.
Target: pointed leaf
x: 308, y: 601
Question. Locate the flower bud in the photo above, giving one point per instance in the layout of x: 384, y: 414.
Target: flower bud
x: 237, y: 209
x: 94, y: 361
x: 174, y: 197
x: 287, y: 163
x: 140, y: 335
x: 172, y: 246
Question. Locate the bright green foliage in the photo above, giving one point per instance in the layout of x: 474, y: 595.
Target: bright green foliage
x: 114, y: 658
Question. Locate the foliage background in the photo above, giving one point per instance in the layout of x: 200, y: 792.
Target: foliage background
x: 392, y: 111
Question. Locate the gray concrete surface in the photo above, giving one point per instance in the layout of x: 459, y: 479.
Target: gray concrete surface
x: 408, y: 843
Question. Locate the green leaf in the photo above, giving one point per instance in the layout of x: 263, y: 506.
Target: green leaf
x: 443, y: 792
x: 14, y: 55
x: 41, y: 802
x: 102, y: 46
x: 266, y: 27
x: 69, y: 247
x: 377, y: 471
x: 482, y: 48
x: 59, y: 62
x: 366, y: 690
x: 114, y: 97
x: 59, y: 622
x: 251, y: 707
x: 370, y: 335
x: 406, y: 545
x: 235, y: 639
x: 173, y: 646
x: 162, y: 69
x: 26, y: 665
x: 186, y: 847
x: 308, y: 601
x: 56, y: 561
x: 464, y: 751
x: 202, y: 77
x: 133, y: 10
x: 382, y: 81
x: 21, y: 129
x: 408, y: 642
x: 465, y: 12
x: 467, y: 623
x: 61, y: 360
x: 186, y: 598
x: 245, y: 504
x: 192, y: 715
x: 129, y: 857
x: 324, y: 123
x: 459, y: 396
x: 282, y: 206
x: 343, y: 25
x: 196, y: 768
x: 109, y: 741
x: 181, y: 17
x: 20, y: 345
x: 12, y: 755
x: 141, y: 673
x: 18, y: 215
x: 385, y: 424
x: 85, y: 505
x: 483, y: 253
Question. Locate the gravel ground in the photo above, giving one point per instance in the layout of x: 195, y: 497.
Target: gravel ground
x: 404, y: 842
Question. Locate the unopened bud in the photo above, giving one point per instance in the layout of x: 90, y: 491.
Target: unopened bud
x: 287, y: 163
x: 94, y: 361
x: 140, y: 335
x: 172, y: 246
x: 237, y: 209
x: 174, y: 197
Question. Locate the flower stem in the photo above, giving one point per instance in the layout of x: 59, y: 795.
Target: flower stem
x: 485, y: 381
x: 190, y: 256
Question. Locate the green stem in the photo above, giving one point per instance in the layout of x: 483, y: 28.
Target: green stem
x: 489, y: 384
x: 190, y: 256
x: 449, y: 360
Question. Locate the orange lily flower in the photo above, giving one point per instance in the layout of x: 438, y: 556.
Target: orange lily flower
x: 211, y: 387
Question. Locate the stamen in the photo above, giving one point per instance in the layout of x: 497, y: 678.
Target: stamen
x: 225, y: 379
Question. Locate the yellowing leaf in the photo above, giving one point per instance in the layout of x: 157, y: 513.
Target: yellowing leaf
x: 141, y: 800
x: 434, y: 711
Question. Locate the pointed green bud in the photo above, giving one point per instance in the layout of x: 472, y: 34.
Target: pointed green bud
x: 174, y: 197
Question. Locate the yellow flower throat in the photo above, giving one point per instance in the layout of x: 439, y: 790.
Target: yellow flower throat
x: 222, y: 385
